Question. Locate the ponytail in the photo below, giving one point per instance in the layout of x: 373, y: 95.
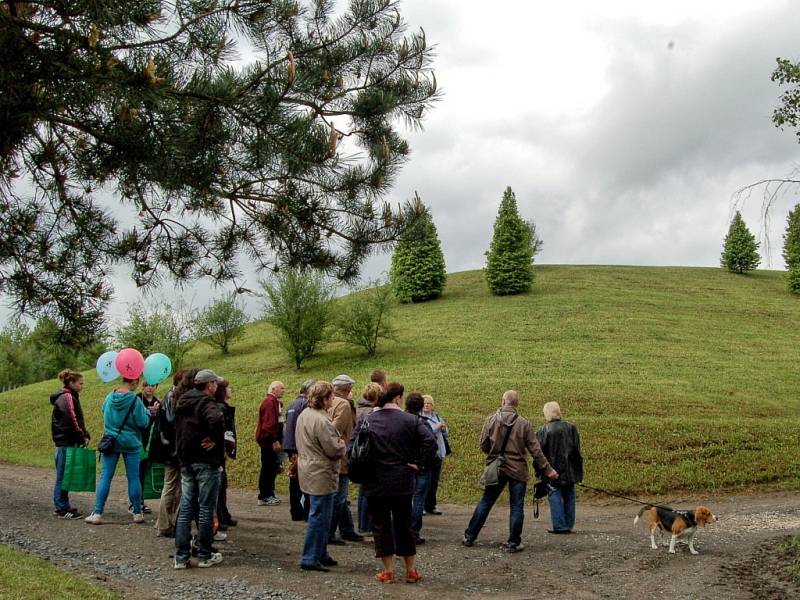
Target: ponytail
x: 68, y: 376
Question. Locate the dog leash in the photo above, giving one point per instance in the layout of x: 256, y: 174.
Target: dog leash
x: 589, y: 487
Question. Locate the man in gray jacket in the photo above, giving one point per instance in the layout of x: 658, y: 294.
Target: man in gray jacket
x: 507, y: 433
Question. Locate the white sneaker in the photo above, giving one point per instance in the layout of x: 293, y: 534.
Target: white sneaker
x: 262, y: 502
x: 214, y: 559
x: 94, y: 519
x: 138, y: 518
x: 220, y: 536
x: 272, y: 501
x: 180, y: 565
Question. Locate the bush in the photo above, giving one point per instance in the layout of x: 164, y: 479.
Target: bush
x: 791, y: 249
x: 221, y: 323
x: 740, y: 248
x: 299, y: 305
x: 509, y: 262
x: 365, y: 317
x: 159, y: 328
x: 418, y: 269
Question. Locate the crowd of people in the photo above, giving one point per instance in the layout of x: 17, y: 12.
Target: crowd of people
x: 192, y: 433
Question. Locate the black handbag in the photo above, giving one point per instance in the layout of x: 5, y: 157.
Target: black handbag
x: 360, y: 460
x: 106, y: 443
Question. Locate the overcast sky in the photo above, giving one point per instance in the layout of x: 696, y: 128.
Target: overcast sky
x: 624, y: 127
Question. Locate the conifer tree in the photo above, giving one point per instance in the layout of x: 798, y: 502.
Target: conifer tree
x: 791, y: 249
x: 210, y: 157
x: 418, y: 269
x: 509, y: 262
x: 740, y: 248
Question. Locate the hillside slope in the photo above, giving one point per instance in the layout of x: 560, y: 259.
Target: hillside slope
x: 678, y: 378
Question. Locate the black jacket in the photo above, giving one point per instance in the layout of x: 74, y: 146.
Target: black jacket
x: 561, y: 445
x: 162, y: 447
x: 67, y: 426
x: 198, y: 416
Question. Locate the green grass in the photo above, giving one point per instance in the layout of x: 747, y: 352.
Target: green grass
x: 679, y: 379
x: 24, y: 576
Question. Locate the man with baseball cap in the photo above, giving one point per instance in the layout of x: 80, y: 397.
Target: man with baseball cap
x: 200, y: 442
x: 343, y: 415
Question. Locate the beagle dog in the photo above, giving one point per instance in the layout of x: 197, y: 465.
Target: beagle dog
x: 680, y: 523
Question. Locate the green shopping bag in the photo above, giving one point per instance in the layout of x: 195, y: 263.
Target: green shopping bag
x: 79, y: 470
x: 153, y: 474
x: 153, y: 481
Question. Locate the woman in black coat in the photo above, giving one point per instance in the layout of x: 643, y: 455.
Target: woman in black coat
x: 401, y: 445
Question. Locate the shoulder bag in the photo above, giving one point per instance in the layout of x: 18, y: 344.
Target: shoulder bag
x: 106, y: 443
x: 491, y: 472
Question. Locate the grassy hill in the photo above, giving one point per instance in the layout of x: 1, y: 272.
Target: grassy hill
x: 679, y: 379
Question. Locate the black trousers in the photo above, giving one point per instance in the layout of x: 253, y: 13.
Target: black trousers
x: 391, y: 525
x: 269, y: 470
x: 223, y: 514
x: 433, y: 486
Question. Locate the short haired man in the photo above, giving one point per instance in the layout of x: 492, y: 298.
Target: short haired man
x: 268, y: 437
x: 507, y: 424
x: 379, y: 376
x: 200, y: 442
x: 343, y: 415
x: 297, y: 508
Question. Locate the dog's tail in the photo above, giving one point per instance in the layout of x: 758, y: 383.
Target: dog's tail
x: 641, y: 512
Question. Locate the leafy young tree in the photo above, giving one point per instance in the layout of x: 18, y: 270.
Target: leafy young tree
x: 418, y: 269
x: 283, y: 157
x: 221, y: 323
x: 740, y: 248
x: 509, y: 261
x: 159, y: 327
x: 791, y: 249
x: 299, y: 304
x: 365, y: 317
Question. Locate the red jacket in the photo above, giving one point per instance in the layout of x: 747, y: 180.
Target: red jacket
x: 267, y: 430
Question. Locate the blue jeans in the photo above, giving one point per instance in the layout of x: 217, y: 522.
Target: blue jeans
x: 562, y: 506
x: 108, y: 462
x: 199, y: 490
x: 60, y: 497
x: 364, y: 517
x: 516, y: 491
x: 341, y: 517
x: 315, y: 548
x: 418, y: 505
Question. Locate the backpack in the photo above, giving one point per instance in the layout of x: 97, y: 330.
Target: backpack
x: 360, y: 456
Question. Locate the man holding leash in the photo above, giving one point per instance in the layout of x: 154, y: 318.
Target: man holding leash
x: 511, y: 436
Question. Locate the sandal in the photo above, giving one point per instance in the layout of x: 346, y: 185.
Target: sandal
x: 385, y: 577
x: 413, y: 576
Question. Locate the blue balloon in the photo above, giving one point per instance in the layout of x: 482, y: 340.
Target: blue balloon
x: 106, y: 369
x: 157, y: 367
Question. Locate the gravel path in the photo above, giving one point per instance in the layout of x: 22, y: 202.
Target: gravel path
x: 607, y: 557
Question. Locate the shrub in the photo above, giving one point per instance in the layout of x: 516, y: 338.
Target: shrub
x: 509, y: 262
x: 221, y: 323
x: 793, y: 279
x: 159, y: 327
x: 418, y: 269
x: 299, y: 305
x: 740, y: 248
x: 365, y: 317
x: 791, y: 249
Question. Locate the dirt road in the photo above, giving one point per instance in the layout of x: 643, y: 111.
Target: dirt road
x: 607, y: 557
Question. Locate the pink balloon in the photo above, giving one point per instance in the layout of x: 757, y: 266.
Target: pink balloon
x: 129, y: 363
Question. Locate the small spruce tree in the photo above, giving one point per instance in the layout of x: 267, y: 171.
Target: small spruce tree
x: 509, y: 262
x: 418, y: 269
x: 740, y: 248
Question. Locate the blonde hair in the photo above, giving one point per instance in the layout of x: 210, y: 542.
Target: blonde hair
x: 68, y: 376
x: 318, y: 393
x: 552, y: 411
x: 372, y: 391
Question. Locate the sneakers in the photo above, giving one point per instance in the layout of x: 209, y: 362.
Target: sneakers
x: 512, y: 548
x: 352, y: 536
x: 138, y: 518
x: 180, y: 565
x: 413, y: 576
x: 212, y: 560
x: 69, y: 513
x: 94, y: 519
x: 467, y: 542
x: 145, y: 509
x: 271, y: 501
x: 220, y: 536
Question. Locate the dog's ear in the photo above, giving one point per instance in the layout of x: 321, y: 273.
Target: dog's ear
x: 703, y: 516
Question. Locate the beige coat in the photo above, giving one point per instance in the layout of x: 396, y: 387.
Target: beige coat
x: 319, y: 448
x: 343, y: 415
